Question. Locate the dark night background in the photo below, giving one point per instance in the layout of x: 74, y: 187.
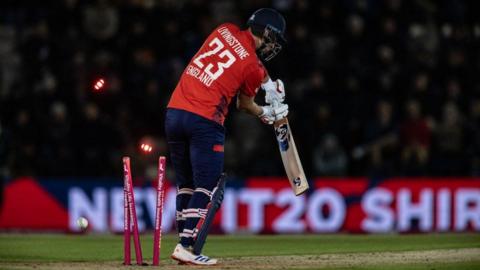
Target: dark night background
x: 375, y: 88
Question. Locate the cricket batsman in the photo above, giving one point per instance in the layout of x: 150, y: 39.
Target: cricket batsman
x: 228, y: 64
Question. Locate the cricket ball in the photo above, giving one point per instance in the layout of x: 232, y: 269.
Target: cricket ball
x: 82, y: 223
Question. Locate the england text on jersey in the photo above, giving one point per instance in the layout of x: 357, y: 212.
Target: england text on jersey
x: 203, y: 77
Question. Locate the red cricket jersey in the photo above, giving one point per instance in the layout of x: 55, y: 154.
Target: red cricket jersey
x: 225, y: 64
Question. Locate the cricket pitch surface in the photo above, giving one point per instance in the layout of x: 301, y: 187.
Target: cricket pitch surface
x: 415, y: 251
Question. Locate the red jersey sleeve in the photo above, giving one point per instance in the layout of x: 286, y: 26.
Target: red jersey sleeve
x: 253, y: 79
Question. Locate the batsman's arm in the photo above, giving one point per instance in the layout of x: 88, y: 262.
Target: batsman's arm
x: 248, y: 105
x: 254, y: 78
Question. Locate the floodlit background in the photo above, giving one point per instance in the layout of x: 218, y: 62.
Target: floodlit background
x: 400, y: 77
x: 376, y: 89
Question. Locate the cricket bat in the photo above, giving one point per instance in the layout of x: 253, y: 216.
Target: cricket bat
x: 290, y: 158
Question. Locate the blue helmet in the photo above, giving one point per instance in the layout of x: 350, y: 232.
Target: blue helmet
x: 268, y: 24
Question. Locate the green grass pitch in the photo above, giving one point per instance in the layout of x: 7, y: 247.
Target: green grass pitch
x: 390, y: 251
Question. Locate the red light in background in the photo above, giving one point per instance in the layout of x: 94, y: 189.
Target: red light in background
x: 99, y: 84
x: 146, y: 148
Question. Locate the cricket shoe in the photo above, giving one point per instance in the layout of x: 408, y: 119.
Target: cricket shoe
x: 185, y: 256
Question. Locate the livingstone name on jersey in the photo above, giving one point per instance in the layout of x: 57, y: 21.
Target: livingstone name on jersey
x: 233, y: 42
x: 199, y: 75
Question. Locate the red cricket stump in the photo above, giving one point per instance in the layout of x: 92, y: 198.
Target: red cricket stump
x: 126, y: 225
x: 157, y: 237
x: 131, y: 209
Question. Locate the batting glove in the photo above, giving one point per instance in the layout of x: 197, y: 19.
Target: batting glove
x: 271, y: 114
x: 274, y: 91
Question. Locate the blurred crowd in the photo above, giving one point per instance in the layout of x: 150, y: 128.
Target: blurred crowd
x: 375, y: 88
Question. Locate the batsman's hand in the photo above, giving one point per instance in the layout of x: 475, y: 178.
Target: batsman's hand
x: 274, y: 91
x: 271, y: 113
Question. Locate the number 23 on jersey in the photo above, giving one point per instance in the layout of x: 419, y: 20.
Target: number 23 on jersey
x: 207, y: 69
